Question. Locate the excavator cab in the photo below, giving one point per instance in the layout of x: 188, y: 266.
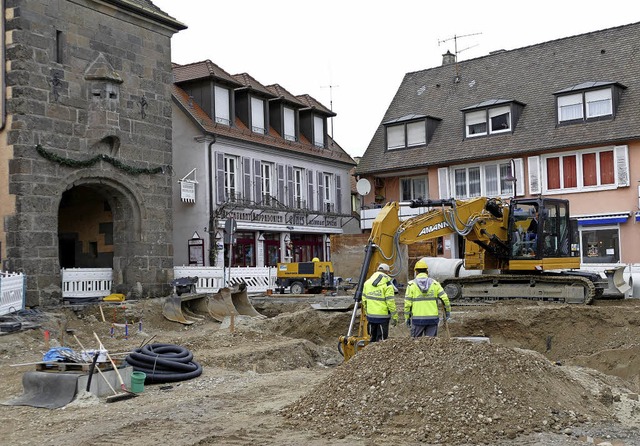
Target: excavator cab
x: 540, y: 230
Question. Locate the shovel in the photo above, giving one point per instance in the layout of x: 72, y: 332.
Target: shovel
x: 110, y: 399
x: 126, y: 393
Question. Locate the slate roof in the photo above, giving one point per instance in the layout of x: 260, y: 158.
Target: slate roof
x: 530, y: 76
x: 333, y: 151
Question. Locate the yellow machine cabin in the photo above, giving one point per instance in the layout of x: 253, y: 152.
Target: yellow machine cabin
x: 305, y: 277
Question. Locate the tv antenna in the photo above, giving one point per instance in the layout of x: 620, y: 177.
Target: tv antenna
x: 455, y: 46
x: 331, y: 87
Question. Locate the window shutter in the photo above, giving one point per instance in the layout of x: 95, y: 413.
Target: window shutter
x: 338, y: 194
x: 320, y: 192
x: 281, y: 183
x: 443, y: 182
x: 219, y: 156
x: 622, y: 165
x: 246, y: 193
x: 534, y: 175
x: 257, y: 181
x: 290, y: 185
x: 519, y: 174
x: 310, y: 190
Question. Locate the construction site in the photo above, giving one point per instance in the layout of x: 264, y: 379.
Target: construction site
x: 514, y: 372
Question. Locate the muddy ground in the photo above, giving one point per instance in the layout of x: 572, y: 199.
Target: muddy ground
x: 552, y: 374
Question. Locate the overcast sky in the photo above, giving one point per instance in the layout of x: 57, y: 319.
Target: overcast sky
x: 351, y: 55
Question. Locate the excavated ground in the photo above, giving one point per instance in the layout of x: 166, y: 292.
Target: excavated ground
x: 551, y: 375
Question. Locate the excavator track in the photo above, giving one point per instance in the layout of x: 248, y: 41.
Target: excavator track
x: 496, y: 287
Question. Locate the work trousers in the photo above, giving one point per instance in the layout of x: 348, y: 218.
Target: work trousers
x: 378, y: 332
x: 424, y: 330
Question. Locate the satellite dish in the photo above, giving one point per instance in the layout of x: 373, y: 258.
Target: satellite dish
x: 363, y: 186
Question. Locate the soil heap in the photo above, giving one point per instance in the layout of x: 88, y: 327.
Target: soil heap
x: 449, y: 391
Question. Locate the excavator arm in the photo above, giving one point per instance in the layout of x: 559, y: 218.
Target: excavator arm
x: 479, y: 220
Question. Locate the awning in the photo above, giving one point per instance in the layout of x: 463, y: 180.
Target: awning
x: 604, y: 219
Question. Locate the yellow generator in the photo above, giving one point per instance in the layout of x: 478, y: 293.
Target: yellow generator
x: 305, y: 277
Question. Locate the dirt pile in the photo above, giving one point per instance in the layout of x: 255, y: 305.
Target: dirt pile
x: 435, y: 390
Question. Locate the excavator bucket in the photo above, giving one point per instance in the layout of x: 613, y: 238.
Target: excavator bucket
x: 618, y: 287
x: 231, y: 301
x: 176, y: 308
x: 186, y: 309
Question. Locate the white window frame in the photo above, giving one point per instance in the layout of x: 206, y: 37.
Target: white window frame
x: 582, y: 228
x: 318, y: 131
x: 620, y: 161
x: 232, y: 175
x: 267, y: 170
x: 499, y: 111
x: 485, y: 116
x: 289, y: 125
x: 257, y: 115
x: 474, y: 118
x: 327, y: 192
x: 412, y: 181
x: 222, y: 105
x: 299, y: 188
x: 395, y: 137
x: 416, y: 133
x: 599, y: 99
x: 577, y: 106
x: 504, y: 188
x: 407, y: 134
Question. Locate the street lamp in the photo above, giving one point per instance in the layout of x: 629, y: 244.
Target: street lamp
x: 511, y: 178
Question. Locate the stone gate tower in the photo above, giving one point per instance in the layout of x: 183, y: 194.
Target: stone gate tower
x: 85, y: 150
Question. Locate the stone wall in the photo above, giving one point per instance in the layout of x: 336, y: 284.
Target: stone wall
x: 88, y: 103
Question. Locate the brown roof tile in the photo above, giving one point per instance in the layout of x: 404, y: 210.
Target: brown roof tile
x: 202, y: 70
x: 280, y: 92
x: 271, y: 139
x: 317, y: 106
x: 250, y: 82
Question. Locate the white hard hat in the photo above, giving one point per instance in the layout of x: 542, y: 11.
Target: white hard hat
x: 384, y: 267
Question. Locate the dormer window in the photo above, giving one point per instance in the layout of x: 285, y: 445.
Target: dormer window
x: 222, y: 105
x: 490, y: 117
x: 318, y: 131
x: 257, y: 115
x: 289, y: 124
x: 588, y: 101
x: 409, y: 131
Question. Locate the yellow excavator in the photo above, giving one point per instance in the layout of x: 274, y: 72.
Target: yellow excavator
x: 524, y: 248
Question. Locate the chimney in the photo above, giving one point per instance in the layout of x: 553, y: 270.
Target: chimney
x: 448, y: 58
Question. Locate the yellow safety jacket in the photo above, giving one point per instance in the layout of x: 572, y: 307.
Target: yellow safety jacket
x: 421, y: 300
x: 378, y: 298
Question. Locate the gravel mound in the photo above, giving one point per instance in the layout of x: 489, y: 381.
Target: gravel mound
x: 450, y: 391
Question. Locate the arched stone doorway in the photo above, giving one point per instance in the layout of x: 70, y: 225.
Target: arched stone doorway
x: 99, y: 226
x: 85, y: 229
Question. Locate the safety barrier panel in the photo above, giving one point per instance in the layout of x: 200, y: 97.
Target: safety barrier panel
x: 12, y: 292
x: 86, y: 282
x: 212, y: 278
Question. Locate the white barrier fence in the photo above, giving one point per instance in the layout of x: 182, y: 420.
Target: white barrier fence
x: 211, y: 278
x: 86, y: 282
x: 12, y: 292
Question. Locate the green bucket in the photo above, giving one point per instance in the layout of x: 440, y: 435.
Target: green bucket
x: 137, y: 381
